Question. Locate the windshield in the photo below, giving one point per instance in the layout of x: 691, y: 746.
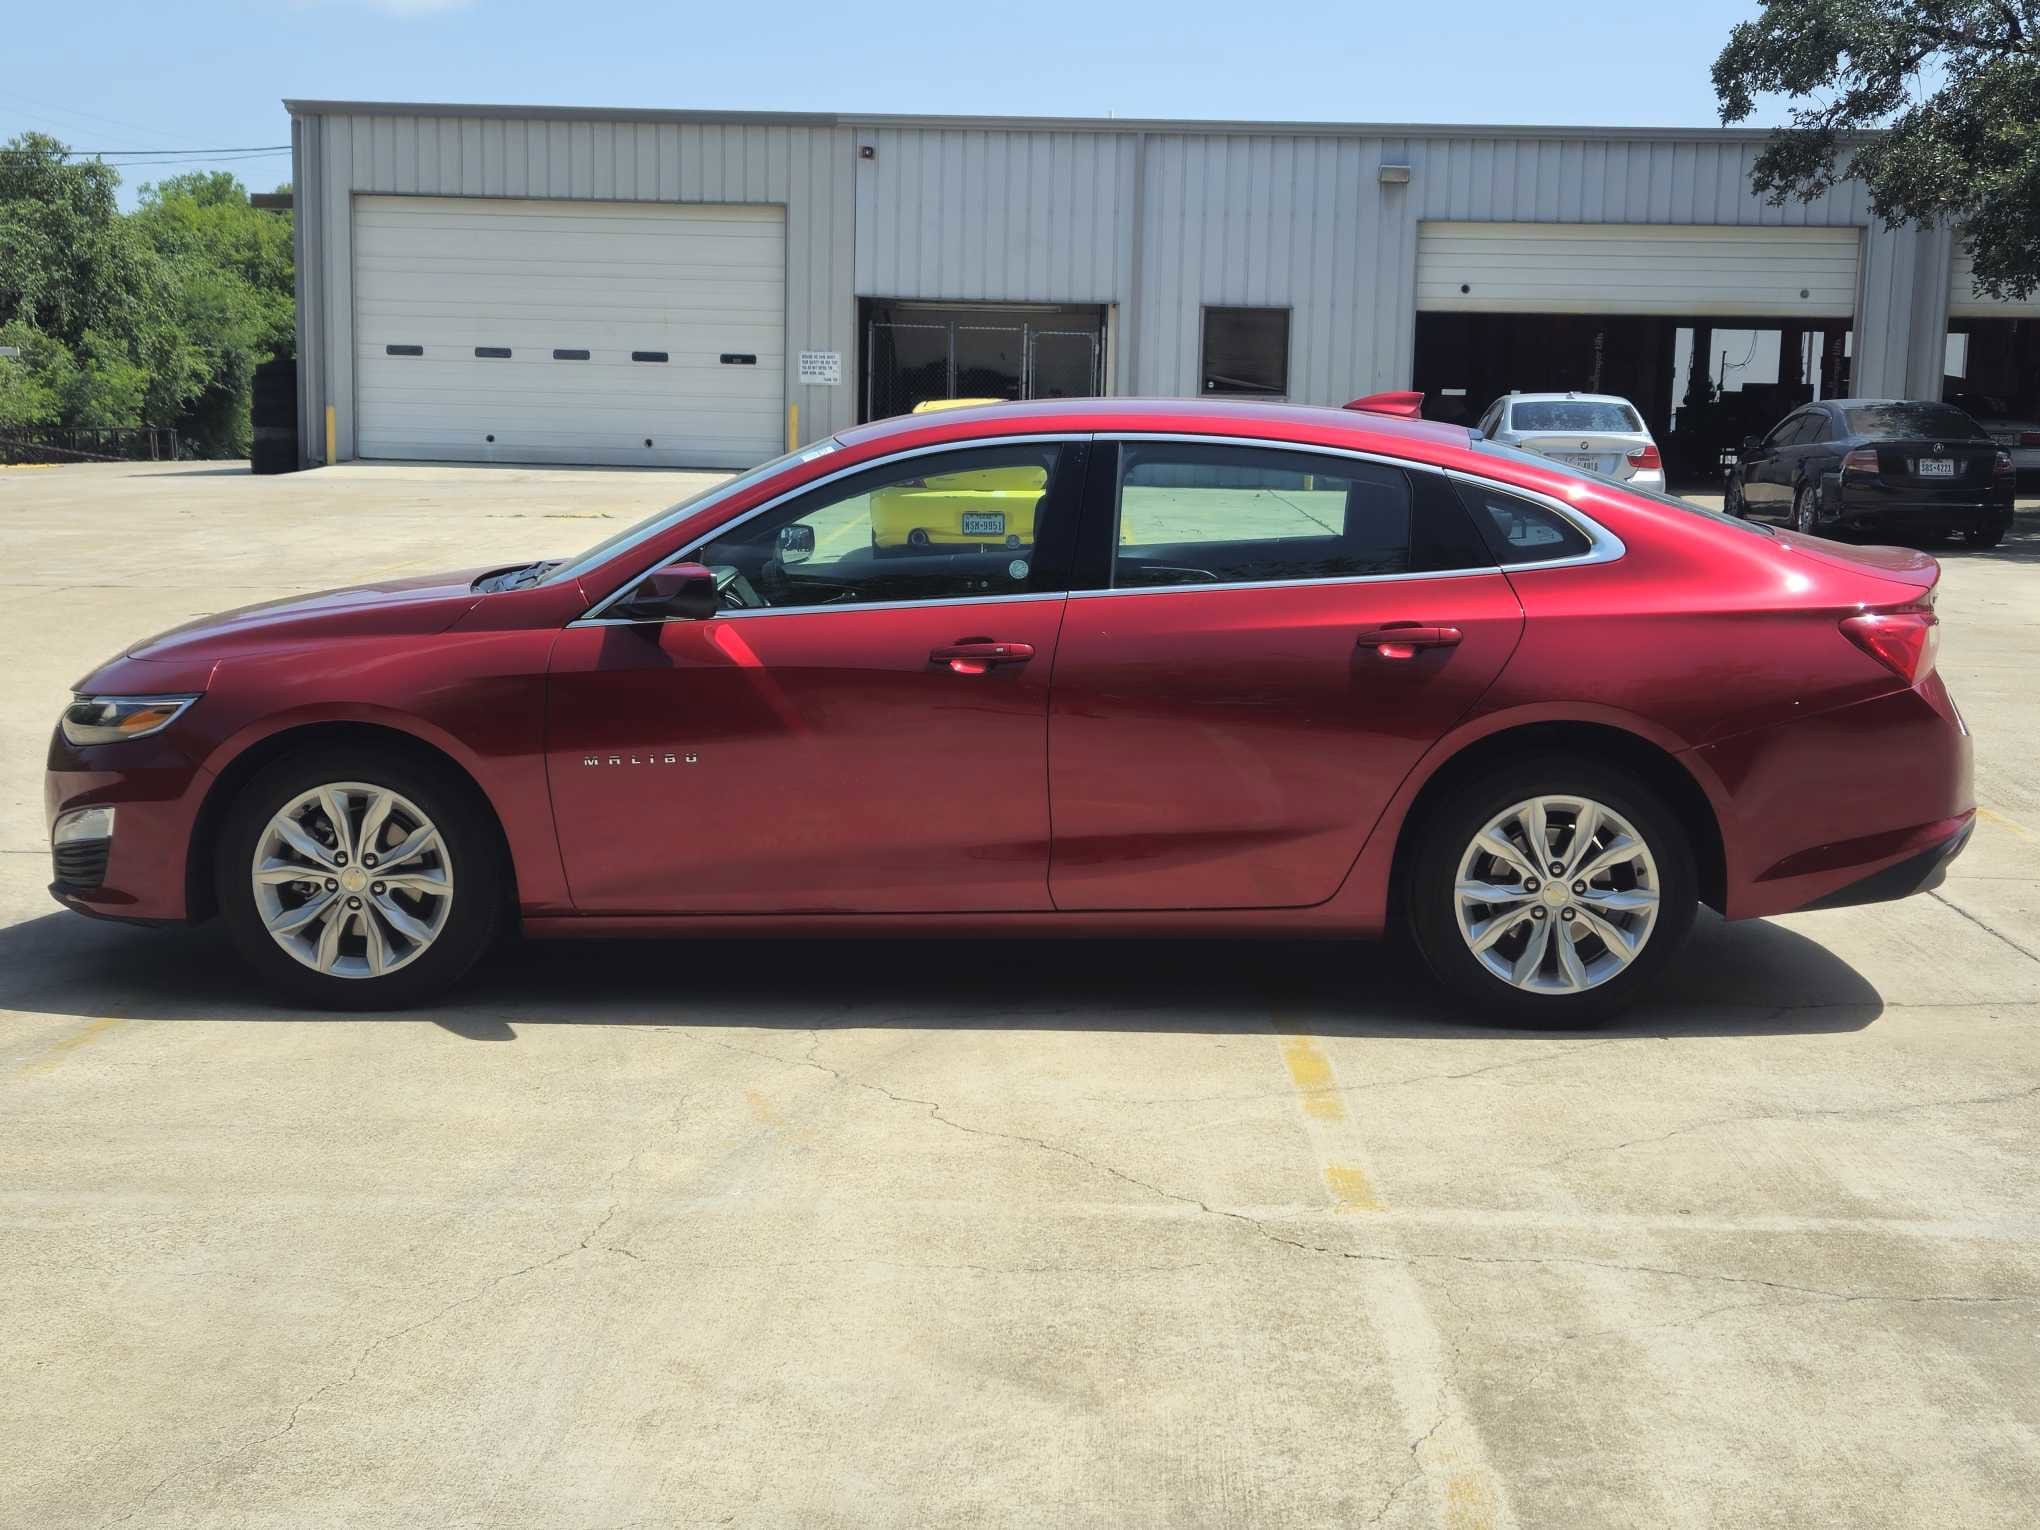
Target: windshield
x: 1570, y: 414
x: 1885, y: 420
x: 1599, y: 481
x: 644, y: 530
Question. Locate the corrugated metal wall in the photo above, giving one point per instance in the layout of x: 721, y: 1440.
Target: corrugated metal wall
x: 1157, y: 220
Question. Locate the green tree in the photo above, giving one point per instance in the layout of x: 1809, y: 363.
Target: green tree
x: 1954, y: 85
x: 84, y: 297
x: 231, y: 296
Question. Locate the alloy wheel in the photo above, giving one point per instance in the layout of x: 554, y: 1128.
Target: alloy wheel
x: 1557, y: 895
x: 353, y: 880
x: 1802, y: 512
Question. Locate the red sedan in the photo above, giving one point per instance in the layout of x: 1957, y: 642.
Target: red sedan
x: 1252, y: 670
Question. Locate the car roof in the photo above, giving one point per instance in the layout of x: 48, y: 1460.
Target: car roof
x: 1300, y: 423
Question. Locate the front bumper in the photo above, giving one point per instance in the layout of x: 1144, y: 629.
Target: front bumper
x: 139, y: 874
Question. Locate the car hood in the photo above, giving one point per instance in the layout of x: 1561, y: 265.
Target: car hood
x: 422, y: 605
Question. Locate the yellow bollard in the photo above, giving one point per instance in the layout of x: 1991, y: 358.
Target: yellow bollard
x: 329, y: 435
x: 792, y: 426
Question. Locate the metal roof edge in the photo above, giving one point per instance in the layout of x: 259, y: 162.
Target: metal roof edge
x: 1185, y: 126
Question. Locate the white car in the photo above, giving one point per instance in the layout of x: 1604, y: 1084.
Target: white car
x: 1597, y: 432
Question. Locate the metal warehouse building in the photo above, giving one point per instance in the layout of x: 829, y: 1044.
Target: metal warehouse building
x: 538, y: 284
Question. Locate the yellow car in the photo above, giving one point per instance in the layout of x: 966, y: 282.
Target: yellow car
x: 991, y: 507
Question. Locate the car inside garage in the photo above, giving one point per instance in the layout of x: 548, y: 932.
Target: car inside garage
x: 1712, y: 332
x: 619, y: 333
x: 1993, y: 367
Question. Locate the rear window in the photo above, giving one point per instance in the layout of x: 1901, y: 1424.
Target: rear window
x: 1563, y: 470
x: 1884, y: 420
x: 1573, y: 414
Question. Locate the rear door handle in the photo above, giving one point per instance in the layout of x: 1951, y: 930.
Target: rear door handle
x: 978, y: 655
x: 1401, y: 640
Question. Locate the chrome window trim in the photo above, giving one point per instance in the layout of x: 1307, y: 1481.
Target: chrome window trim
x: 841, y: 607
x: 1603, y: 545
x: 591, y: 617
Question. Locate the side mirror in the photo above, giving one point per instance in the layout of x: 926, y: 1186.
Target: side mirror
x: 796, y: 543
x: 1752, y: 444
x: 677, y: 592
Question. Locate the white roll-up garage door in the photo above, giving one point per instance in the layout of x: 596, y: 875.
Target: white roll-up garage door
x: 564, y: 331
x: 1637, y: 268
x: 1965, y: 302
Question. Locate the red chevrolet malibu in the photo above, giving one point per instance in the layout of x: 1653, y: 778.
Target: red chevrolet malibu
x: 1192, y: 668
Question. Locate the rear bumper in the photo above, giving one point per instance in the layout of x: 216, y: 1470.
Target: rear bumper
x: 1878, y: 507
x: 1918, y: 873
x: 1823, y: 807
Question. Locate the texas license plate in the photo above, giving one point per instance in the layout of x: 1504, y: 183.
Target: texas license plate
x: 984, y: 523
x: 1590, y: 464
x: 1937, y: 467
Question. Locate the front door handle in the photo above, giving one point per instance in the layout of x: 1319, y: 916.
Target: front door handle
x: 977, y: 655
x: 1401, y: 640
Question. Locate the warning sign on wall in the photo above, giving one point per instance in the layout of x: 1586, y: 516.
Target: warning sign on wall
x: 824, y: 368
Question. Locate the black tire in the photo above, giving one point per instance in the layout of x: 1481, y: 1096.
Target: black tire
x: 473, y: 847
x: 1448, y: 829
x: 1732, y: 502
x: 1984, y: 536
x: 1805, y: 516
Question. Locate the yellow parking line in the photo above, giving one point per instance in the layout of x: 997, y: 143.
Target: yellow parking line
x: 2016, y: 827
x: 1311, y: 1071
x: 58, y: 1051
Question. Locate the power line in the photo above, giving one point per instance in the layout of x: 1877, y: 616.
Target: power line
x: 258, y: 148
x: 44, y: 107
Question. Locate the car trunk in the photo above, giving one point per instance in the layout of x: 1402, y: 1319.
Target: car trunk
x: 1604, y: 452
x: 1926, y: 469
x: 1893, y: 565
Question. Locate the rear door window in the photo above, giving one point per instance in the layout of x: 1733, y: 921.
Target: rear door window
x: 1195, y: 514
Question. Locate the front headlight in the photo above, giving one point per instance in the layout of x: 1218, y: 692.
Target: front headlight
x: 109, y: 719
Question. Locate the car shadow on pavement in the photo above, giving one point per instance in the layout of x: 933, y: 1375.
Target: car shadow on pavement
x: 1753, y: 978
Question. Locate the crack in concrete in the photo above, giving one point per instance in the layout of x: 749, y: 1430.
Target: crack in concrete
x: 1405, y: 1259
x: 361, y: 1359
x: 1861, y: 1112
x: 1983, y: 925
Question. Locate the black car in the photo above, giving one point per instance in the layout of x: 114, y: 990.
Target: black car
x: 1855, y: 463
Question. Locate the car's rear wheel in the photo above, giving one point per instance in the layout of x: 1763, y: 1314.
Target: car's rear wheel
x: 1550, y: 892
x: 1803, y: 504
x: 358, y: 878
x: 1984, y: 536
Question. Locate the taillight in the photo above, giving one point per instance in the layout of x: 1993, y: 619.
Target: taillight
x: 2029, y: 438
x: 1862, y: 460
x: 2003, y: 467
x: 1645, y: 458
x: 1904, y: 642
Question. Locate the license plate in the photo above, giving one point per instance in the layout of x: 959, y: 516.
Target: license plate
x: 1936, y: 467
x: 1589, y: 464
x: 984, y: 523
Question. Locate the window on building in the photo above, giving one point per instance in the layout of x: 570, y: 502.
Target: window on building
x: 1246, y: 352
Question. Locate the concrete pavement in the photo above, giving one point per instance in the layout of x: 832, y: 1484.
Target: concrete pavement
x: 882, y: 1234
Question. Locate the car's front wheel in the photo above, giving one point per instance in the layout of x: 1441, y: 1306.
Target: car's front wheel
x: 1732, y: 501
x: 1550, y: 892
x: 358, y: 878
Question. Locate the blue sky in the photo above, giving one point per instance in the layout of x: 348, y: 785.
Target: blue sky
x: 132, y: 78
